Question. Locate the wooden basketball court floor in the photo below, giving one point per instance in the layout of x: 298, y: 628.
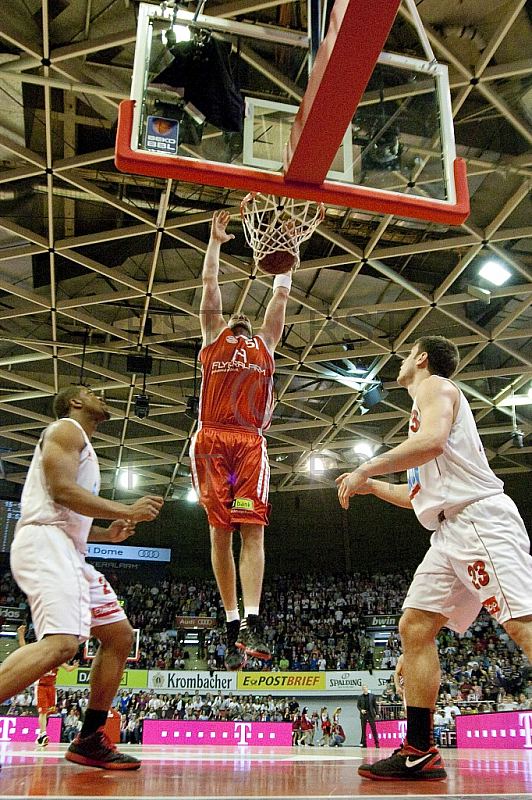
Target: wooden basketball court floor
x: 219, y: 773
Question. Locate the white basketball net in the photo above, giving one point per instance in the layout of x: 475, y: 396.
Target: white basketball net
x: 274, y: 223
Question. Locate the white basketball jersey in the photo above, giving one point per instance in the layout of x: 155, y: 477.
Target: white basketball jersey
x: 37, y: 506
x: 461, y: 475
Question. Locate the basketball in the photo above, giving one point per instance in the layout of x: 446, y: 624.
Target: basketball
x: 277, y: 262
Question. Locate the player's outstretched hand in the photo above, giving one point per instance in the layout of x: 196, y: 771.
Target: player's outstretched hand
x: 145, y: 508
x: 119, y: 530
x: 351, y: 483
x: 220, y: 221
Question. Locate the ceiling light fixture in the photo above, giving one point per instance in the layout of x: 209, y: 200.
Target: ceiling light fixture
x: 127, y: 479
x: 363, y: 449
x: 515, y: 400
x: 494, y: 272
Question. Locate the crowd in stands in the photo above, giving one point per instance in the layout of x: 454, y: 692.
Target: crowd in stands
x: 312, y: 623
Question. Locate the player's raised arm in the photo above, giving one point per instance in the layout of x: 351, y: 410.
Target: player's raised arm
x: 272, y: 327
x: 211, y: 318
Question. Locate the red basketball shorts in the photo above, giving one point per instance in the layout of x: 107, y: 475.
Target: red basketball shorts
x: 231, y: 475
x: 46, y: 699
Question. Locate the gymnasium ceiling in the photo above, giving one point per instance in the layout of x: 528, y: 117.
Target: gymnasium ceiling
x: 96, y: 265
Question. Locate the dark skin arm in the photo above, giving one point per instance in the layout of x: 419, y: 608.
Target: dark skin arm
x: 61, y: 447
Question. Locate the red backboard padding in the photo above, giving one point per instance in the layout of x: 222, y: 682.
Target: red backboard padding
x: 357, y: 32
x: 247, y: 179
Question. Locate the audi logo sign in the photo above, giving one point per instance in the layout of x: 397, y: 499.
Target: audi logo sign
x: 125, y: 553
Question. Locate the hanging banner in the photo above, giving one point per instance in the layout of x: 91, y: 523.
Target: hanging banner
x: 13, y: 615
x: 127, y: 553
x: 375, y: 622
x: 196, y: 622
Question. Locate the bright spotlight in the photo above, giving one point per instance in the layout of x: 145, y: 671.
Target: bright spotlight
x: 127, y: 479
x: 177, y: 33
x: 494, y: 272
x: 363, y: 449
x: 192, y: 496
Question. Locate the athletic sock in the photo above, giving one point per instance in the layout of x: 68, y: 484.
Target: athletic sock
x: 232, y: 615
x: 419, y: 728
x: 94, y: 719
x: 253, y: 610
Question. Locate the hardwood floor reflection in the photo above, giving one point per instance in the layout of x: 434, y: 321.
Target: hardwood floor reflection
x: 222, y: 773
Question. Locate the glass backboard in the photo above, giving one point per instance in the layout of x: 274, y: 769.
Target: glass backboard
x: 396, y: 156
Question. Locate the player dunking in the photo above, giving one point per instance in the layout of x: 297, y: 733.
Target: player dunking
x: 68, y: 598
x: 229, y: 462
x: 479, y: 553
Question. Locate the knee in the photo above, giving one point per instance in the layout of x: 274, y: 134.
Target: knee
x: 252, y: 537
x: 418, y: 628
x: 520, y: 630
x: 121, y: 640
x: 127, y: 638
x: 221, y: 542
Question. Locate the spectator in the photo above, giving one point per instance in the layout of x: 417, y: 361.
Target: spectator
x: 337, y: 735
x: 367, y: 706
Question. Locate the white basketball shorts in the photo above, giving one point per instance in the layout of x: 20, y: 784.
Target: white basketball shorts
x: 66, y: 595
x: 480, y: 557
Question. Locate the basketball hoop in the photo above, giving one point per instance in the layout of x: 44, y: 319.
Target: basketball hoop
x: 278, y: 224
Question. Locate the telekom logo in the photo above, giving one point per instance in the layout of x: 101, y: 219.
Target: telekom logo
x: 526, y: 721
x: 401, y: 724
x: 241, y: 728
x: 7, y: 729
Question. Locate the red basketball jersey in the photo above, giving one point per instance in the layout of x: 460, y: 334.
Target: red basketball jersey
x: 49, y: 678
x: 237, y: 383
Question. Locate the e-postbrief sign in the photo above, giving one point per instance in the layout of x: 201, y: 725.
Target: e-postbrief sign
x: 281, y: 682
x: 126, y: 553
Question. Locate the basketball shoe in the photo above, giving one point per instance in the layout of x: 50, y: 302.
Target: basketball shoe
x: 42, y: 740
x: 406, y: 764
x: 97, y: 750
x: 251, y: 638
x: 234, y: 657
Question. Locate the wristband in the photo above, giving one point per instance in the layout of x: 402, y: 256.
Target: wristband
x: 284, y: 279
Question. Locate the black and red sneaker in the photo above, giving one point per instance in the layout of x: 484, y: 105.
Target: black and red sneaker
x: 235, y: 658
x: 251, y: 638
x: 406, y: 764
x: 97, y: 750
